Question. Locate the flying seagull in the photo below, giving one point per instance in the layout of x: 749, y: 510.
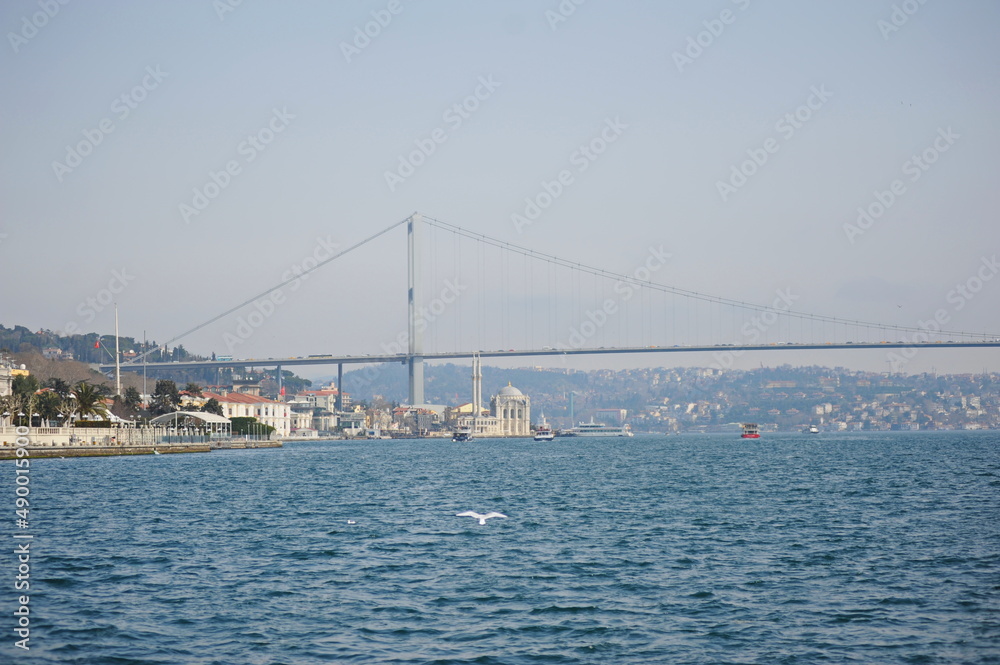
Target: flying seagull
x: 482, y: 518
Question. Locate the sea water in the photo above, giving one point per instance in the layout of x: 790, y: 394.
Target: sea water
x: 829, y: 548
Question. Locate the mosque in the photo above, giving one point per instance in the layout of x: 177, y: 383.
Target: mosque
x: 509, y: 414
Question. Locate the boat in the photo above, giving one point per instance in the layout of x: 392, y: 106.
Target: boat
x: 462, y: 434
x: 598, y: 429
x: 376, y: 434
x: 750, y: 431
x: 812, y: 429
x: 543, y: 432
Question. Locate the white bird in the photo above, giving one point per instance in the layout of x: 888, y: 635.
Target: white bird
x: 482, y: 518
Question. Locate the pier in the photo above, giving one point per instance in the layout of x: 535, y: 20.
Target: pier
x: 111, y: 441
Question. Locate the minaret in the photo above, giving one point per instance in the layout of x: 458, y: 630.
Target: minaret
x: 477, y: 387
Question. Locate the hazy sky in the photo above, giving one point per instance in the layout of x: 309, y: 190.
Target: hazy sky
x: 188, y: 155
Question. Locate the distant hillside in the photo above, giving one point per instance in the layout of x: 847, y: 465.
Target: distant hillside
x: 31, y: 349
x: 659, y: 399
x: 69, y: 371
x: 83, y: 347
x: 452, y: 384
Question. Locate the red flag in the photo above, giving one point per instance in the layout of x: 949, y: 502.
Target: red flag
x: 97, y: 344
x: 282, y: 390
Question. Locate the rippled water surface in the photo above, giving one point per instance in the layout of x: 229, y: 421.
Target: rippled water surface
x: 685, y: 549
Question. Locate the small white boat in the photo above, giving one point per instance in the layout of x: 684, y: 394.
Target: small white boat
x: 812, y: 429
x: 543, y: 432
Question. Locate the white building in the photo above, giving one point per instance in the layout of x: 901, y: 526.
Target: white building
x: 510, y: 412
x: 269, y: 412
x: 324, y: 399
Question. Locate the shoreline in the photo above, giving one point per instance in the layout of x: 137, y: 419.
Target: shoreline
x: 110, y: 442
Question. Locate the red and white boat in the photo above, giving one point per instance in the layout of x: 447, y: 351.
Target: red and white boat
x: 750, y: 431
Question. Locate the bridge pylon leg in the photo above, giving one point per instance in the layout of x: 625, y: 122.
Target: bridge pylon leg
x: 416, y: 341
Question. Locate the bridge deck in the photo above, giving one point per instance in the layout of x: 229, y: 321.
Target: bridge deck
x: 404, y: 357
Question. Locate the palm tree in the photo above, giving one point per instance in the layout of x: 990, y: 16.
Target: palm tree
x: 47, y: 404
x: 89, y: 401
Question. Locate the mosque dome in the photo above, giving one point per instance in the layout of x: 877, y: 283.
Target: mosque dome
x: 510, y: 391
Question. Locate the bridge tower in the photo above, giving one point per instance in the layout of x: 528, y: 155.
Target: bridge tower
x: 416, y: 332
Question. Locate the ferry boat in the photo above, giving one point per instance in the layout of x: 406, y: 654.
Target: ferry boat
x: 544, y: 432
x: 462, y: 434
x: 750, y: 431
x: 598, y: 429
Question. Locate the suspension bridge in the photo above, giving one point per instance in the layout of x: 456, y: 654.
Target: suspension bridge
x: 472, y: 294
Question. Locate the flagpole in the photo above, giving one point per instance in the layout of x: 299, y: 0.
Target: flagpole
x: 118, y: 366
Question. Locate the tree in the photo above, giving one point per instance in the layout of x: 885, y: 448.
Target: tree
x: 212, y: 406
x: 193, y: 389
x: 47, y: 405
x: 132, y: 400
x: 166, y: 397
x: 24, y: 385
x: 243, y: 425
x: 67, y: 407
x: 89, y: 401
x: 9, y: 405
x: 58, y: 385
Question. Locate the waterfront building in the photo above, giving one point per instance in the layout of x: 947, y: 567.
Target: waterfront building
x: 509, y: 414
x: 269, y: 412
x: 6, y: 379
x: 512, y: 410
x: 325, y: 399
